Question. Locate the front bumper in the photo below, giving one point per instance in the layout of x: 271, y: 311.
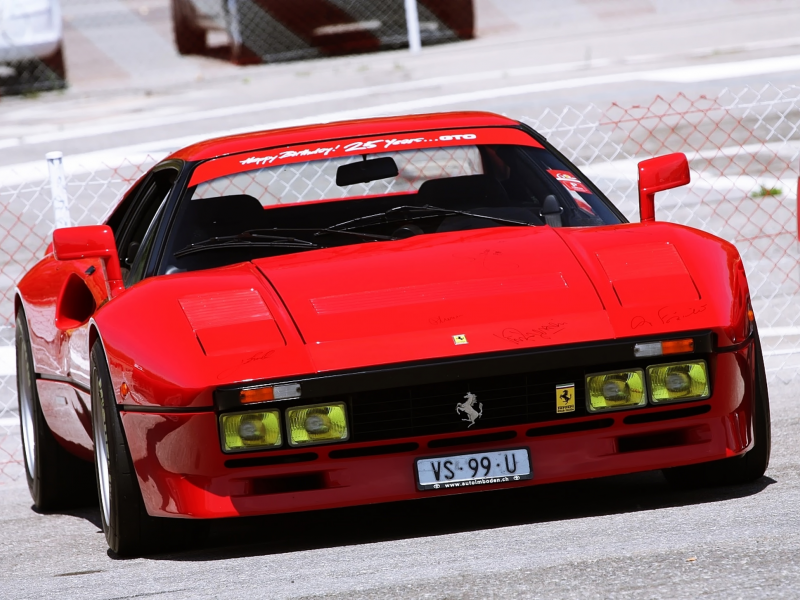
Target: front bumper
x: 182, y: 471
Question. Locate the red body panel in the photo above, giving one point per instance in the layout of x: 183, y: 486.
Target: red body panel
x: 67, y: 411
x: 174, y: 339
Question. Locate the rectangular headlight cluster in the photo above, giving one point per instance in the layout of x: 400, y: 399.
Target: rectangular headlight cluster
x: 305, y: 426
x: 625, y: 389
x: 677, y: 382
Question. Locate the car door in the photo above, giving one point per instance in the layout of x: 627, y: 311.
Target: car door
x: 141, y: 218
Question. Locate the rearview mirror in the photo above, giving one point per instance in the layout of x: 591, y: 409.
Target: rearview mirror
x: 366, y: 171
x: 659, y: 174
x: 92, y: 241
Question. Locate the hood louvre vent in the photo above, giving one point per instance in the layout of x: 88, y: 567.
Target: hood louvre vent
x: 224, y: 308
x: 232, y: 321
x: 637, y: 271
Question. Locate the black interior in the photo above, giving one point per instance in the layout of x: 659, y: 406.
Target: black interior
x: 514, y: 187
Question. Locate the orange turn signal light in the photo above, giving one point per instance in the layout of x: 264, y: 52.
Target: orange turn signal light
x: 283, y: 391
x: 660, y: 348
x: 257, y: 395
x: 677, y: 346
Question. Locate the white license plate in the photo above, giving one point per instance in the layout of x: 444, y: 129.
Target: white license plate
x: 466, y: 470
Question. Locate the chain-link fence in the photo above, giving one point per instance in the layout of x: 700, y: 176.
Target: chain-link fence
x: 743, y: 149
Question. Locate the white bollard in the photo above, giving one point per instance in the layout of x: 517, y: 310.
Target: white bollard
x: 58, y: 188
x: 412, y: 23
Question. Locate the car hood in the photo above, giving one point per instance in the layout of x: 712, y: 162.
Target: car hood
x: 485, y: 290
x: 174, y: 338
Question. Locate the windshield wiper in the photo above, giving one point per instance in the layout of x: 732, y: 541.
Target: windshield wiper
x: 262, y: 238
x: 405, y: 213
x: 323, y: 231
x: 247, y: 239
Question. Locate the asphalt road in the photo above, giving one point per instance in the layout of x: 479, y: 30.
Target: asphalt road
x: 621, y: 537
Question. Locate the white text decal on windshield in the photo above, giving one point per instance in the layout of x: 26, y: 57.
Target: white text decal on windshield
x: 389, y: 143
x: 380, y: 144
x: 269, y: 159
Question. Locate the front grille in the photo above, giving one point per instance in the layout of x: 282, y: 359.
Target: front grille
x: 431, y: 409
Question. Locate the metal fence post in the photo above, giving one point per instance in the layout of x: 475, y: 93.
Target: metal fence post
x: 58, y: 189
x: 412, y: 22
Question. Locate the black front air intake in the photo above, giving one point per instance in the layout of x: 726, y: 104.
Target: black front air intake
x: 431, y: 409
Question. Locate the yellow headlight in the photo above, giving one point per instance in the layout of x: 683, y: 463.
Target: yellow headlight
x: 614, y: 391
x: 679, y: 382
x: 317, y: 424
x: 250, y: 430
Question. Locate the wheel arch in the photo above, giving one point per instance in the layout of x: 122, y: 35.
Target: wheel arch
x: 96, y: 337
x: 19, y: 304
x: 94, y: 334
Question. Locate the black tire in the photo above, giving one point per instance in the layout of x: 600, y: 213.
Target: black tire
x: 189, y: 37
x: 129, y: 529
x: 56, y: 478
x: 740, y: 469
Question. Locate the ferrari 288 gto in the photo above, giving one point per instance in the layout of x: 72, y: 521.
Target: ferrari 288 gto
x: 373, y: 311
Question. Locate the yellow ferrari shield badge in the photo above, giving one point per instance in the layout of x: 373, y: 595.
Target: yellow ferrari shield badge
x: 565, y: 398
x: 460, y: 339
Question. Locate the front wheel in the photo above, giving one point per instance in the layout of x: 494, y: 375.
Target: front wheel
x: 739, y: 469
x: 129, y: 529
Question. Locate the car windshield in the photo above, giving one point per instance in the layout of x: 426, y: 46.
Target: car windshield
x: 318, y: 196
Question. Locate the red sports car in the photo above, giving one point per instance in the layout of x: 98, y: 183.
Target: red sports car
x: 372, y: 311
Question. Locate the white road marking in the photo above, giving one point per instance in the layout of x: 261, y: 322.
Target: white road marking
x: 729, y: 70
x: 128, y: 124
x: 95, y: 161
x: 696, y: 73
x: 246, y: 109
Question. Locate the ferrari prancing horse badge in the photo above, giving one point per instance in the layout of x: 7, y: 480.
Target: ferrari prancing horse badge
x: 565, y: 398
